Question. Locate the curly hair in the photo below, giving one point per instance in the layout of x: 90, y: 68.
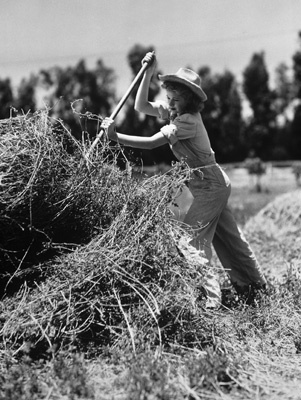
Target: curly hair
x: 193, y: 102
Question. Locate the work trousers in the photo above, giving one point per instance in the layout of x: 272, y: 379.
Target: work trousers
x: 213, y: 224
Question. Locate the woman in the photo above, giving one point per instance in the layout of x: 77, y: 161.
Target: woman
x: 209, y: 214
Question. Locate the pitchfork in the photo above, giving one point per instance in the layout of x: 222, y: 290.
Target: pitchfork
x: 119, y: 105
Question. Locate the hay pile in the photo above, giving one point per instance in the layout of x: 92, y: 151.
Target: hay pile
x: 275, y: 234
x: 34, y: 170
x: 283, y: 214
x: 49, y: 200
x: 133, y: 279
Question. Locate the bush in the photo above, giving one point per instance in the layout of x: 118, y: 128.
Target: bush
x: 296, y: 168
x: 255, y: 166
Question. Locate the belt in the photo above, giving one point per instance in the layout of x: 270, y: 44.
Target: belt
x: 207, y: 166
x: 199, y: 173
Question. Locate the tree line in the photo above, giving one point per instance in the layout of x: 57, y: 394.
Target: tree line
x: 80, y: 97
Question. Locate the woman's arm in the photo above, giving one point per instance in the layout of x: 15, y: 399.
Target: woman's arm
x: 139, y: 142
x: 142, y: 104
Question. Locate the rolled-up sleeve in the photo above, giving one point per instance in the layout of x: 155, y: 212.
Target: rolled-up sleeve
x: 170, y: 132
x: 183, y: 127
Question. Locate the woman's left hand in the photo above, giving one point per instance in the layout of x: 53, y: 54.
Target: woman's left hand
x: 150, y: 59
x: 109, y: 126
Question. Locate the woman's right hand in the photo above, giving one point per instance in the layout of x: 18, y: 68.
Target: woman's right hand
x: 109, y: 126
x: 150, y: 58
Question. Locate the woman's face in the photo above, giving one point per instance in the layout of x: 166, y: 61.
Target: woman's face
x: 176, y: 101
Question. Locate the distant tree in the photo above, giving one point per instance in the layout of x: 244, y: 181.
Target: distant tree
x: 284, y: 88
x: 210, y: 113
x: 295, y: 139
x: 222, y: 114
x: 295, y: 134
x: 231, y: 140
x: 260, y: 131
x: 134, y: 123
x: 297, y: 69
x: 284, y: 95
x: 89, y: 91
x: 256, y: 88
x: 6, y: 98
x: 26, y: 94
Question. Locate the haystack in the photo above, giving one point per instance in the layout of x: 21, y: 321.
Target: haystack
x: 35, y: 167
x: 131, y: 279
x: 49, y: 199
x: 276, y: 232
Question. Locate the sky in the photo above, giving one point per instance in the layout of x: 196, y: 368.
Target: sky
x: 223, y: 34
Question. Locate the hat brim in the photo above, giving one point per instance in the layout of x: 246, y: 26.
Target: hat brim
x: 195, y: 88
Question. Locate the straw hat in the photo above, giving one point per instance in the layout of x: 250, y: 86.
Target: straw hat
x: 188, y: 78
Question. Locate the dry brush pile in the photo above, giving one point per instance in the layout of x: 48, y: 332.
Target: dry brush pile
x: 98, y: 258
x: 46, y: 197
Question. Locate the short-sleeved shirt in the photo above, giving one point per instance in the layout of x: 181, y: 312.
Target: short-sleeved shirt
x: 187, y: 137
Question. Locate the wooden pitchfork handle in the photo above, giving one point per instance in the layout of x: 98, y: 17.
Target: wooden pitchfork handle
x: 119, y: 105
